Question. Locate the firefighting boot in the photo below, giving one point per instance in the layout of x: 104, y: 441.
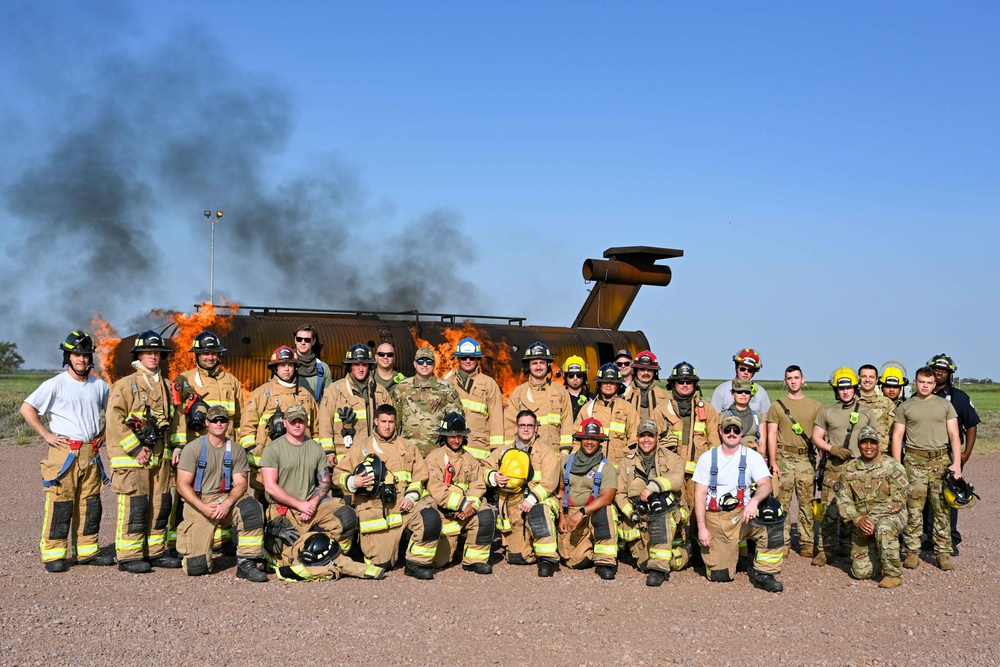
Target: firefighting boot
x: 479, y: 568
x: 166, y: 562
x: 134, y: 566
x: 100, y: 560
x: 765, y: 581
x: 606, y: 572
x: 247, y: 569
x: 55, y: 565
x: 656, y: 577
x: 546, y: 568
x: 418, y: 571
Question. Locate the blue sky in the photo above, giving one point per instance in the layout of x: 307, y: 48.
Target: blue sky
x: 829, y: 171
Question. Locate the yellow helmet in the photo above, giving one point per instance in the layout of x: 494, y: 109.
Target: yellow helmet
x: 576, y: 364
x: 516, y: 465
x: 844, y: 377
x: 892, y: 376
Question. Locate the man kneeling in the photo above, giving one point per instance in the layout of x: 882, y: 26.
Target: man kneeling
x: 212, y: 479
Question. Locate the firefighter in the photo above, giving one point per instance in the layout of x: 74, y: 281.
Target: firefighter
x: 346, y: 405
x: 423, y: 401
x: 891, y: 382
x: 574, y: 372
x: 387, y: 475
x: 297, y: 478
x: 264, y: 411
x: 526, y: 476
x: 647, y: 397
x: 194, y: 391
x: 748, y: 364
x: 651, y: 510
x: 882, y: 406
x: 138, y: 421
x: 212, y: 480
x: 726, y: 509
x: 313, y: 373
x: 608, y: 407
x: 588, y: 533
x: 835, y: 434
x: 547, y: 400
x: 72, y: 471
x: 481, y: 399
x: 385, y: 373
x: 455, y: 481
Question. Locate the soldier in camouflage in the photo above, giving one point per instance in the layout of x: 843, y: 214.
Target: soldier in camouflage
x: 883, y: 407
x: 423, y: 401
x: 871, y: 492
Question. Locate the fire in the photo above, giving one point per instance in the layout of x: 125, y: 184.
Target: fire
x: 205, y: 318
x: 497, y: 363
x: 107, y: 344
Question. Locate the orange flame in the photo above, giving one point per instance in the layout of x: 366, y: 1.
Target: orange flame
x: 497, y: 363
x: 107, y: 344
x: 206, y: 318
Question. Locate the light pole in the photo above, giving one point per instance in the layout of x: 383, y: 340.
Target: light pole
x: 211, y: 280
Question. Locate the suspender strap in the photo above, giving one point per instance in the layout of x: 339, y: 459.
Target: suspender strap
x: 227, y: 467
x: 199, y: 475
x: 802, y: 433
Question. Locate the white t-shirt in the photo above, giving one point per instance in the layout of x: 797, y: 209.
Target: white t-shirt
x: 729, y: 470
x: 74, y: 407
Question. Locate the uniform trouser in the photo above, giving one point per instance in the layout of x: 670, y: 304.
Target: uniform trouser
x: 924, y: 476
x: 797, y: 476
x: 196, y: 534
x: 478, y: 530
x: 528, y: 537
x: 144, y: 503
x: 382, y: 531
x: 332, y: 516
x: 595, y: 540
x: 728, y: 530
x: 72, y: 505
x: 884, y: 542
x: 657, y: 543
x: 833, y: 527
x: 289, y: 567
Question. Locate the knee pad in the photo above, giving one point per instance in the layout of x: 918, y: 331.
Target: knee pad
x: 431, y: 519
x: 658, y: 533
x: 775, y: 535
x: 602, y: 526
x: 720, y: 575
x: 486, y: 526
x: 196, y: 566
x: 251, y: 513
x: 163, y: 516
x: 537, y: 521
x: 138, y: 507
x: 92, y: 517
x: 62, y: 516
x: 348, y: 521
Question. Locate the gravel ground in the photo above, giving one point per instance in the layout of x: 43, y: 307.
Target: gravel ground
x: 99, y: 615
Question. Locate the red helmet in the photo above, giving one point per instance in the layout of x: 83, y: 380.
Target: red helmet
x: 748, y: 357
x: 590, y: 429
x: 647, y: 360
x: 283, y: 355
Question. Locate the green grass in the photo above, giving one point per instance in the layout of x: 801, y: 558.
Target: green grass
x: 14, y: 388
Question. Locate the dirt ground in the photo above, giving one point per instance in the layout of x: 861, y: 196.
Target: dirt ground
x: 91, y: 616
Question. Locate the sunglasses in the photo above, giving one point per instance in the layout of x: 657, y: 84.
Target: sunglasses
x: 219, y: 420
x: 299, y: 339
x: 684, y: 381
x: 741, y: 391
x: 465, y: 358
x: 729, y: 430
x: 623, y: 364
x: 574, y: 375
x: 424, y: 362
x: 388, y: 355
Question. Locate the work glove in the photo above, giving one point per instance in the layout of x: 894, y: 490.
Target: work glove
x: 842, y: 453
x: 285, y: 533
x: 347, y: 416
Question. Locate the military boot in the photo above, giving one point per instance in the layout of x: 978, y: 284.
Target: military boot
x: 843, y: 551
x: 55, y: 565
x: 656, y: 577
x: 247, y: 569
x: 606, y: 572
x: 819, y: 560
x: 807, y: 551
x: 479, y: 568
x: 418, y: 571
x: 134, y: 566
x: 890, y: 582
x: 944, y: 562
x: 912, y: 560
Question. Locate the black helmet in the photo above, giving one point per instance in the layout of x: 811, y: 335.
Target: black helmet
x: 319, y: 549
x: 150, y: 341
x: 359, y: 354
x: 958, y: 493
x: 609, y: 373
x: 537, y: 350
x: 372, y: 465
x: 942, y: 361
x: 682, y: 371
x: 453, y: 424
x: 79, y: 342
x: 207, y: 341
x: 769, y: 512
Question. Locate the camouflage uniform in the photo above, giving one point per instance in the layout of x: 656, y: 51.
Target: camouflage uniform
x: 422, y: 405
x: 884, y: 410
x: 876, y: 490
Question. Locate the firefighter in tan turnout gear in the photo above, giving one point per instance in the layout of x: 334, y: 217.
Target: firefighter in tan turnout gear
x: 212, y: 480
x: 72, y: 471
x: 455, y: 481
x: 386, y: 475
x: 138, y: 422
x: 648, y: 398
x: 481, y: 399
x: 548, y: 400
x: 610, y: 409
x: 265, y: 409
x: 526, y: 475
x: 347, y: 404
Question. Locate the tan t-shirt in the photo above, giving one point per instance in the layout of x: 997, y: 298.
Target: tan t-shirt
x: 581, y: 486
x: 212, y: 478
x: 835, y: 420
x: 297, y: 465
x: 926, y: 421
x: 804, y: 410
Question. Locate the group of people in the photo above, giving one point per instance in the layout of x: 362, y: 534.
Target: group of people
x: 312, y: 478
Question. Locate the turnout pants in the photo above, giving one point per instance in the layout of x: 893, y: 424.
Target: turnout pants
x: 382, y: 530
x: 72, y: 505
x: 925, y: 475
x: 527, y: 537
x: 197, y: 533
x: 884, y: 542
x: 478, y: 530
x: 833, y: 528
x: 797, y: 477
x: 657, y: 543
x: 728, y: 530
x: 594, y: 542
x: 144, y: 503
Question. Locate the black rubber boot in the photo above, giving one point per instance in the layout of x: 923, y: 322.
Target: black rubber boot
x: 606, y: 572
x: 166, y: 562
x: 656, y: 577
x: 56, y: 565
x: 135, y: 566
x: 479, y: 568
x: 546, y: 568
x: 100, y: 560
x: 247, y: 569
x: 418, y: 571
x: 765, y: 582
